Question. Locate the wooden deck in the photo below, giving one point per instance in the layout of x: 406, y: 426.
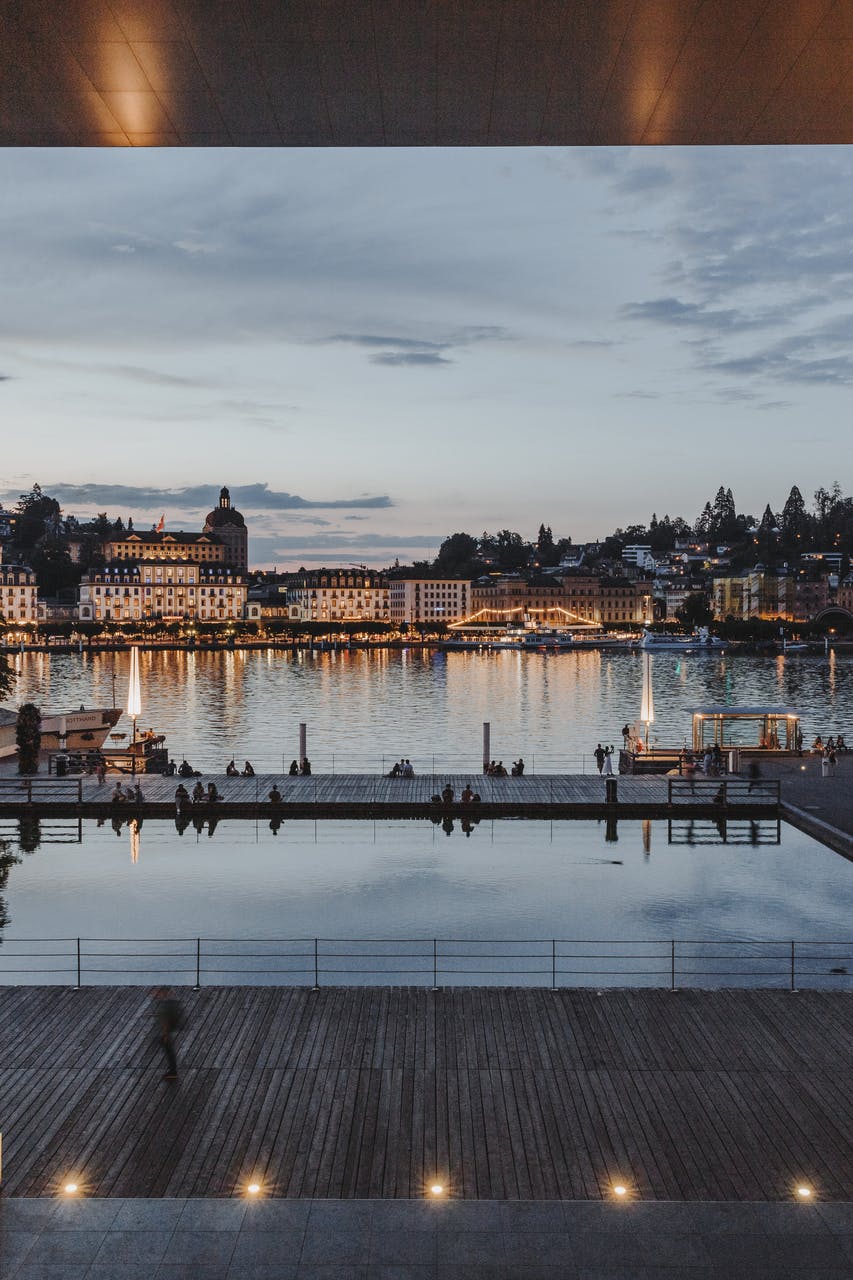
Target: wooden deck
x: 500, y: 1093
x: 366, y: 795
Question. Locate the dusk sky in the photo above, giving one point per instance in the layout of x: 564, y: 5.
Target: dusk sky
x: 374, y: 349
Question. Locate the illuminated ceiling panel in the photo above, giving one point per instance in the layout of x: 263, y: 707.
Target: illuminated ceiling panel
x: 422, y: 73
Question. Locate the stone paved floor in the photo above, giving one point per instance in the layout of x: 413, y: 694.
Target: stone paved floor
x: 111, y: 1239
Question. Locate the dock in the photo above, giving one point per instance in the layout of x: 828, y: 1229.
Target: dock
x: 498, y: 1094
x: 368, y: 796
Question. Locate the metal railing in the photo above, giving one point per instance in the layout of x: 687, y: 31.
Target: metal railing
x: 430, y: 962
x: 33, y: 789
x: 729, y: 790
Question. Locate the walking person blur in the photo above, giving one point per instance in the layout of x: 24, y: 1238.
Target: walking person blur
x: 169, y: 1017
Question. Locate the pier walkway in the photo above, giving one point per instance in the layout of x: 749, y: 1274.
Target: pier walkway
x: 366, y: 1093
x: 366, y: 795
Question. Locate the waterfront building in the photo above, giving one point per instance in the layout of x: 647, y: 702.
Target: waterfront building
x: 169, y: 590
x: 154, y: 545
x: 229, y: 526
x: 640, y: 556
x: 592, y: 599
x: 339, y: 595
x: 429, y: 600
x: 19, y: 604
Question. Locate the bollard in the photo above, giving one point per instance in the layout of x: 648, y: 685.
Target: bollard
x: 610, y: 790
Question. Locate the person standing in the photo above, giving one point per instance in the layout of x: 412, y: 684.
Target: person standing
x: 599, y: 754
x: 608, y: 763
x: 168, y: 1015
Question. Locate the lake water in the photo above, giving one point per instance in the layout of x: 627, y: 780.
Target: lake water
x: 365, y: 708
x: 640, y: 883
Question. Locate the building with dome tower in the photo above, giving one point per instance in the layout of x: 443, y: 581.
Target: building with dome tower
x: 229, y: 526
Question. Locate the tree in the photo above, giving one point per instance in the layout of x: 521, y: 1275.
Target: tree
x: 694, y: 612
x: 545, y: 548
x: 456, y: 552
x: 51, y: 563
x: 28, y: 738
x: 794, y: 517
x: 7, y: 677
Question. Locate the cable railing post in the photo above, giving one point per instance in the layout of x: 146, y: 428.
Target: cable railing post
x: 78, y: 965
x: 553, y: 964
x: 316, y: 964
x: 793, y: 966
x: 435, y: 964
x: 672, y: 965
x: 198, y: 964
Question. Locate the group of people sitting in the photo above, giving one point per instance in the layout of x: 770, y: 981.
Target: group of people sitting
x: 302, y: 770
x: 401, y: 769
x: 200, y: 794
x: 231, y: 770
x: 448, y: 795
x: 497, y: 769
x: 132, y: 795
x: 836, y: 744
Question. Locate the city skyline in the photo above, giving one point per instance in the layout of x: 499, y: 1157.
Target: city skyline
x: 376, y: 349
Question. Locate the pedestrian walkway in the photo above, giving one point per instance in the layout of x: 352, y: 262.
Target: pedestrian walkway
x: 376, y: 1093
x: 444, y: 1239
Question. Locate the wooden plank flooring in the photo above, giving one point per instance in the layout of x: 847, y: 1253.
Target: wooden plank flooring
x: 330, y: 795
x: 374, y: 1092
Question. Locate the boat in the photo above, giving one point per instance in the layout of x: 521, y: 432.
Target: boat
x: 668, y: 641
x: 538, y: 639
x: 83, y: 730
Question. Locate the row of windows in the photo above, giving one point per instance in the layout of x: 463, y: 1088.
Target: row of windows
x: 170, y: 591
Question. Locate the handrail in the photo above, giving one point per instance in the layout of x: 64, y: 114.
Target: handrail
x: 556, y: 962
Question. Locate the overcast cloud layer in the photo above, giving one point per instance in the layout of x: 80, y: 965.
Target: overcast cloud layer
x: 373, y: 349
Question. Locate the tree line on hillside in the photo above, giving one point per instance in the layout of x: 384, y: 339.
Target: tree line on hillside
x: 41, y: 534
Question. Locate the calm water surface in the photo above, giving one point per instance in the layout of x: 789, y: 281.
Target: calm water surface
x: 366, y: 708
x: 395, y: 880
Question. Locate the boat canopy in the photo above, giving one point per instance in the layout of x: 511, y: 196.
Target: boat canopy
x: 753, y: 728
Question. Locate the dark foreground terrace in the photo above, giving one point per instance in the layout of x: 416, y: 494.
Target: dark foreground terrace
x: 377, y: 1093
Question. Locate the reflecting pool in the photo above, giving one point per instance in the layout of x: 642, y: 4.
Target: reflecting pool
x: 639, y: 884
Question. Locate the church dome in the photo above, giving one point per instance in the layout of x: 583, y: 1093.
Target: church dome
x: 224, y: 513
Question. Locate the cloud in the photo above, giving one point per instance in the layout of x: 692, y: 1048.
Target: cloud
x: 255, y: 497
x: 409, y: 358
x: 636, y: 395
x: 399, y: 351
x: 672, y: 311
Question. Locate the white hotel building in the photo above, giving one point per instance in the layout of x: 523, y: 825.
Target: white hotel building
x: 426, y: 600
x: 18, y: 594
x: 172, y: 590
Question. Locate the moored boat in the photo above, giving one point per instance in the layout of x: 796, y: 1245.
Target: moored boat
x: 83, y: 730
x: 668, y: 641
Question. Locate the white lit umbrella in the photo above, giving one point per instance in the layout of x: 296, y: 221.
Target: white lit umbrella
x: 134, y: 694
x: 647, y: 706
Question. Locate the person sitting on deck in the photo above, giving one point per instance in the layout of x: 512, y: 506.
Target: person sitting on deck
x: 500, y: 770
x: 306, y: 768
x: 830, y: 743
x: 840, y: 744
x: 118, y: 796
x: 467, y: 794
x: 185, y: 770
x: 817, y: 745
x: 275, y: 795
x: 396, y: 770
x: 447, y: 794
x: 138, y: 796
x: 408, y: 770
x: 294, y: 769
x: 181, y: 796
x: 199, y: 794
x: 248, y: 771
x: 518, y: 768
x: 212, y: 793
x: 231, y: 770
